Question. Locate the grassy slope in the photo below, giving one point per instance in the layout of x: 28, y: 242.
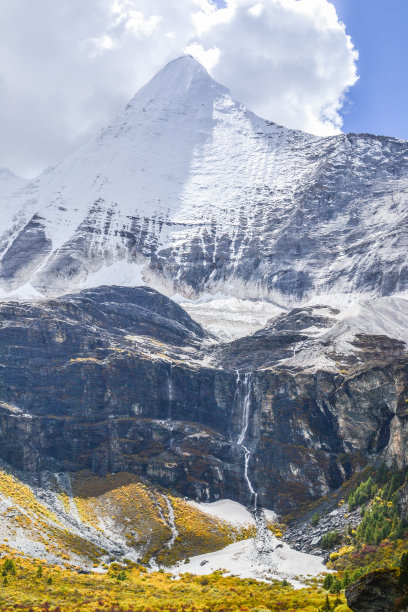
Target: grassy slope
x: 139, y: 513
x: 148, y: 592
x: 83, y: 525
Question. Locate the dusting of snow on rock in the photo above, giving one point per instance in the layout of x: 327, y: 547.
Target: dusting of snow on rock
x: 387, y: 317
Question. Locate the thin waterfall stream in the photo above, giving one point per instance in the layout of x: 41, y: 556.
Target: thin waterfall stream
x: 170, y: 402
x: 246, y: 385
x: 170, y: 390
x: 264, y: 542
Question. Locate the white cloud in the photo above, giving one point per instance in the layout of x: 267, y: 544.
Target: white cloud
x: 67, y: 67
x: 291, y: 59
x: 138, y: 25
x: 256, y: 10
x: 100, y: 44
x: 209, y: 58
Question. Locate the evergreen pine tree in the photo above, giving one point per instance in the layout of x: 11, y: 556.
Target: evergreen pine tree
x: 335, y: 587
x: 346, y: 579
x: 327, y: 582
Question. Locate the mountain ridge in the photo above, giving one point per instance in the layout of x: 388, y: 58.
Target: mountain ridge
x: 189, y: 192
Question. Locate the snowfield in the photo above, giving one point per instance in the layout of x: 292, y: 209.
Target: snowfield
x: 231, y: 512
x: 229, y: 318
x: 242, y: 559
x: 250, y: 558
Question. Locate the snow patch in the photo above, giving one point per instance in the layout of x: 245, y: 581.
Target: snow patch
x: 228, y: 317
x: 241, y: 559
x: 120, y: 272
x: 227, y: 510
x: 26, y: 292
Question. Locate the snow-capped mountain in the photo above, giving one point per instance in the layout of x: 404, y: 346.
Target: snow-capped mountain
x: 189, y: 192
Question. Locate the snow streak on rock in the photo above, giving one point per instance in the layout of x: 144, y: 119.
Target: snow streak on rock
x: 172, y: 524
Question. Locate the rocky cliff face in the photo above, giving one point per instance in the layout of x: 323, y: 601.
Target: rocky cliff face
x: 118, y: 379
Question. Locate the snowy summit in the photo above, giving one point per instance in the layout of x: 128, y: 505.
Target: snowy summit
x: 189, y: 192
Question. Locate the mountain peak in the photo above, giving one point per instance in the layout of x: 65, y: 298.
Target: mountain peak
x: 183, y: 80
x: 186, y: 60
x: 184, y: 67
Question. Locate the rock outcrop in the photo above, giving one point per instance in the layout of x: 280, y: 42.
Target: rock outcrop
x: 375, y: 592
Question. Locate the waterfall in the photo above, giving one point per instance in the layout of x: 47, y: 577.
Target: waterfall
x: 265, y: 542
x: 169, y: 390
x: 245, y: 405
x: 170, y: 401
x: 247, y: 386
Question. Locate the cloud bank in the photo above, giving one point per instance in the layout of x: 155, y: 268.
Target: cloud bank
x: 67, y: 67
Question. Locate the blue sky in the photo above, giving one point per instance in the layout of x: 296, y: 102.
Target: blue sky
x: 378, y: 103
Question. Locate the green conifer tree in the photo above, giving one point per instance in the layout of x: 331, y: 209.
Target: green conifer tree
x: 326, y: 606
x: 328, y: 581
x: 335, y: 587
